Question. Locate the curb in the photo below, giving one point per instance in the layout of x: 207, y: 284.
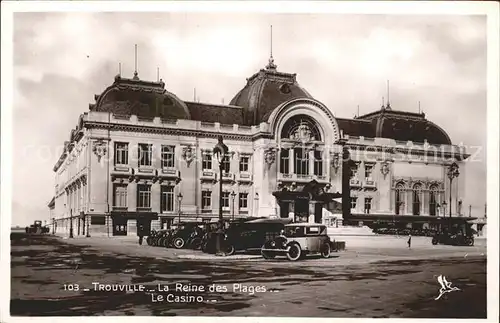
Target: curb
x: 211, y: 257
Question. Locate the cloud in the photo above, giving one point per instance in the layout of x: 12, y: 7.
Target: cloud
x: 63, y: 59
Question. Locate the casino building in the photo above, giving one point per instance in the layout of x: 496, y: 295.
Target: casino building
x: 141, y: 155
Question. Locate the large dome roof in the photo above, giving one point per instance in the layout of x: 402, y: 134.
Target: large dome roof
x: 265, y: 91
x: 403, y: 126
x: 142, y: 98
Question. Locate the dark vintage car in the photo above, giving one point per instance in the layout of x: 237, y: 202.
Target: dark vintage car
x: 185, y: 235
x: 246, y: 235
x: 453, y: 238
x: 298, y: 240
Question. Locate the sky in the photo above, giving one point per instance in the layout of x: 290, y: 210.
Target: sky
x: 62, y: 59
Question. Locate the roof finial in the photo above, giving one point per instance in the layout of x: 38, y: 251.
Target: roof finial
x: 388, y: 107
x: 136, y: 77
x: 157, y: 74
x: 120, y: 69
x: 271, y: 65
x: 383, y: 103
x: 419, y: 111
x: 358, y: 110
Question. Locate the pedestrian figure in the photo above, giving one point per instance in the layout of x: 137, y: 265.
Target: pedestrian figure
x: 409, y: 241
x: 141, y: 235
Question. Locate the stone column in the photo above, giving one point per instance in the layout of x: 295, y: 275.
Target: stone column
x: 155, y: 197
x: 408, y: 197
x: 132, y: 196
x: 312, y: 209
x: 310, y: 155
x: 291, y: 210
x: 291, y: 156
x: 425, y: 202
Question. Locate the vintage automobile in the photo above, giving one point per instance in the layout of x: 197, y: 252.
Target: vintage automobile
x: 298, y: 240
x: 37, y: 228
x: 183, y: 234
x: 246, y: 235
x: 453, y: 238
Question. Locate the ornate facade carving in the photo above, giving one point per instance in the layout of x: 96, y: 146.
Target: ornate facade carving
x: 100, y: 149
x: 270, y: 155
x: 335, y: 161
x: 188, y: 154
x: 385, y: 168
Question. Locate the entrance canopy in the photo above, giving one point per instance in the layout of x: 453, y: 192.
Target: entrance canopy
x: 311, y: 191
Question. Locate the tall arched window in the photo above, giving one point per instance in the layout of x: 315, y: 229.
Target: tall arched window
x: 400, y: 197
x: 433, y: 200
x: 417, y: 198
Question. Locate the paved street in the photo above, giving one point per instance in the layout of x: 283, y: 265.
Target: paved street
x: 379, y: 279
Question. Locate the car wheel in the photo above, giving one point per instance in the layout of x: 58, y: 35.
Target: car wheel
x: 196, y: 243
x: 230, y: 250
x: 325, y: 251
x: 178, y: 243
x: 470, y: 242
x: 294, y: 253
x: 148, y: 241
x: 204, y: 247
x: 434, y: 241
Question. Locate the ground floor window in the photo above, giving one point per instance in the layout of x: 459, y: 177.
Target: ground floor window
x: 243, y: 201
x: 167, y: 198
x: 206, y: 200
x: 144, y: 196
x: 368, y: 204
x: 354, y: 200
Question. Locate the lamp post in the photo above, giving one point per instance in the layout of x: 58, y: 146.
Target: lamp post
x: 452, y: 173
x: 53, y: 226
x: 71, y: 223
x: 233, y: 195
x: 220, y: 151
x: 179, y: 199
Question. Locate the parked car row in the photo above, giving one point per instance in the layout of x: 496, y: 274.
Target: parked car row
x: 186, y: 235
x: 405, y: 231
x: 269, y: 237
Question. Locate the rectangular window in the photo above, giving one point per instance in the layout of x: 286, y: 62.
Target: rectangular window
x: 206, y: 200
x: 243, y: 200
x: 225, y: 199
x: 121, y: 153
x: 301, y: 161
x: 207, y: 161
x: 120, y: 195
x: 244, y: 164
x: 354, y: 201
x: 145, y: 154
x: 144, y: 196
x: 368, y: 204
x: 318, y: 163
x: 167, y: 198
x: 167, y: 156
x: 284, y: 161
x: 368, y: 172
x: 226, y: 164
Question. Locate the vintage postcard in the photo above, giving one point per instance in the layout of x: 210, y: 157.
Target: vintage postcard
x: 262, y: 160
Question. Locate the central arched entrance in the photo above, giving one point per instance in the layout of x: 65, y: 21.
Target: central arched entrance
x: 306, y: 202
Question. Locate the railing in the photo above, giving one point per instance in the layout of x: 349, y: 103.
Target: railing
x: 355, y: 182
x: 301, y: 177
x: 369, y: 183
x: 244, y: 177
